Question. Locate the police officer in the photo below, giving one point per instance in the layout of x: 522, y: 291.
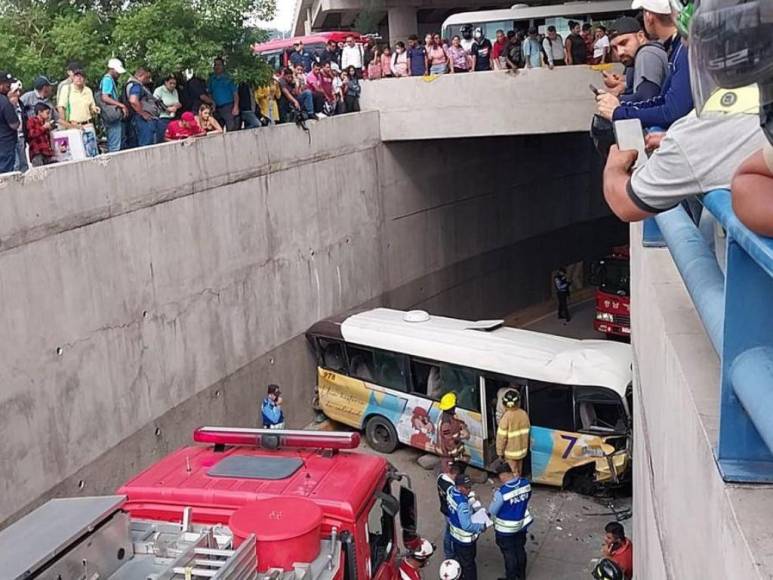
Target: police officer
x: 563, y: 286
x: 271, y: 410
x: 510, y: 510
x: 415, y: 560
x: 464, y: 533
x: 513, y: 432
x: 445, y: 481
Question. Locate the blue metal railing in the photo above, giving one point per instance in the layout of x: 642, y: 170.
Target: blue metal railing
x: 737, y: 312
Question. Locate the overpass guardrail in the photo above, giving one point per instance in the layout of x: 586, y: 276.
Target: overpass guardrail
x: 736, y: 309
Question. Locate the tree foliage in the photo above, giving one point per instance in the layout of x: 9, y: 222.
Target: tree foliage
x: 166, y: 36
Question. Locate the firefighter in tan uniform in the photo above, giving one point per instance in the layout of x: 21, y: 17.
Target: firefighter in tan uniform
x: 452, y: 432
x: 513, y: 432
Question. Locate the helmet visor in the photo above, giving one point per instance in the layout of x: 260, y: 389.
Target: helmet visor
x: 731, y: 47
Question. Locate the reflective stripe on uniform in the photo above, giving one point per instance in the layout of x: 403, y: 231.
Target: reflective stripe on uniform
x: 512, y: 527
x: 516, y: 493
x: 517, y: 433
x: 519, y: 454
x: 460, y: 535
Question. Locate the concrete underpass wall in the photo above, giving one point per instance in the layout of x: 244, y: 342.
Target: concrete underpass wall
x: 146, y: 293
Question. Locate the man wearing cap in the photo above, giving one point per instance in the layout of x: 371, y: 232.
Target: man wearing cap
x: 76, y: 102
x: 464, y: 533
x: 445, y: 481
x: 415, y: 560
x: 646, y: 62
x: 40, y: 94
x: 183, y: 128
x: 675, y: 98
x: 72, y: 66
x: 108, y: 88
x: 9, y: 125
x: 301, y: 56
x: 510, y: 510
x: 271, y: 410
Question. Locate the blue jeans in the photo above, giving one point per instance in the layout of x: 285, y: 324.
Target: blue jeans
x: 114, y: 133
x: 448, y: 544
x: 7, y: 159
x: 250, y: 120
x: 146, y: 130
x: 20, y: 159
x: 306, y: 100
x: 161, y: 126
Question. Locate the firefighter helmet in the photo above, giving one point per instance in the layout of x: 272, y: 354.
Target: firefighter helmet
x: 607, y: 570
x: 511, y: 398
x: 447, y: 402
x: 423, y: 552
x: 450, y: 570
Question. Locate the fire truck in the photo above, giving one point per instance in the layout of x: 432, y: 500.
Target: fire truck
x: 612, y: 276
x: 249, y: 504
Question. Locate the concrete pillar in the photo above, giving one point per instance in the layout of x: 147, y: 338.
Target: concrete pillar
x: 402, y: 23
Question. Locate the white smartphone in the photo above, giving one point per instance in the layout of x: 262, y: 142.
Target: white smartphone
x: 630, y: 135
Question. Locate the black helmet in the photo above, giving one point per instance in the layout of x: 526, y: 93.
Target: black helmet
x: 511, y: 398
x: 607, y: 570
x: 731, y: 46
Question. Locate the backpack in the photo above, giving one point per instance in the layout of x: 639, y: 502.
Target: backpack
x: 108, y: 113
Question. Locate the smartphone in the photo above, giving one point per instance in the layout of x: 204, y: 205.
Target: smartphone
x: 630, y: 135
x: 594, y: 90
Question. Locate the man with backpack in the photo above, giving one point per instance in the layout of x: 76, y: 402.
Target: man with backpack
x: 144, y: 109
x: 553, y: 45
x: 112, y: 110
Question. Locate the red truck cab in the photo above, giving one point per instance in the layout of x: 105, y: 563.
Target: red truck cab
x: 611, y: 276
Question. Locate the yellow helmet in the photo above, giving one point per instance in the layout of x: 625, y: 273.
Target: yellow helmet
x: 447, y: 402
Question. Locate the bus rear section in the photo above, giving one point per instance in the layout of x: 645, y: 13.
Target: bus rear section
x: 388, y: 377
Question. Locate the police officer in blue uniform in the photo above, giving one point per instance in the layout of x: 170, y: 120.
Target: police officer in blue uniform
x: 464, y: 533
x: 510, y: 510
x: 271, y: 410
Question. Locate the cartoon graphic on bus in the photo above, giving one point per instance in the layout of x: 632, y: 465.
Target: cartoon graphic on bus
x: 436, y: 383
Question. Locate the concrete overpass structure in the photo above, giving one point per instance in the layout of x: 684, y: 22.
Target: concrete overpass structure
x: 396, y: 19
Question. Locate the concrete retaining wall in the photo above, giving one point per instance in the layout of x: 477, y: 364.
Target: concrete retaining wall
x: 688, y: 522
x: 151, y: 291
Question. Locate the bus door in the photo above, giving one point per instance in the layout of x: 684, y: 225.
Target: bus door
x: 493, y: 388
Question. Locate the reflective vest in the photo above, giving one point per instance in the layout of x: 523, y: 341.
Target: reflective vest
x: 514, y: 516
x: 455, y: 501
x: 513, y: 434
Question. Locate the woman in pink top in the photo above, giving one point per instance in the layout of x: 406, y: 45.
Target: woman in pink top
x: 460, y: 60
x: 437, y: 58
x: 386, y: 62
x: 400, y: 60
x: 374, y: 67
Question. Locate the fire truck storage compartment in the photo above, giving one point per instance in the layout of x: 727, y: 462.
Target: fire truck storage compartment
x: 287, y: 529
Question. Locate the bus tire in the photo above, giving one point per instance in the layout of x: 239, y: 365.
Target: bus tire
x: 581, y: 480
x: 381, y: 434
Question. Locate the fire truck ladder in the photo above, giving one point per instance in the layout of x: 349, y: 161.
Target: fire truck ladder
x: 200, y: 561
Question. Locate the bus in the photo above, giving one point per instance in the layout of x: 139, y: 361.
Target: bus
x: 384, y: 371
x: 522, y: 17
x: 277, y: 52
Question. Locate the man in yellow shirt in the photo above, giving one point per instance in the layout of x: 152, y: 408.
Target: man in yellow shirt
x: 76, y: 103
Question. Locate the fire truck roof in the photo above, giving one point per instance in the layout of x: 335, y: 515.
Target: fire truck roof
x: 215, y: 483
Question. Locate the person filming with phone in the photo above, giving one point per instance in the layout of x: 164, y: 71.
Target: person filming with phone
x: 618, y: 548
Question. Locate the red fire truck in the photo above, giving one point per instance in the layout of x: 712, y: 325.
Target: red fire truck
x: 252, y: 503
x: 613, y: 302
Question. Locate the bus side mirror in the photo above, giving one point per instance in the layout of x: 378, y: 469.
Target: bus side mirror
x: 408, y: 517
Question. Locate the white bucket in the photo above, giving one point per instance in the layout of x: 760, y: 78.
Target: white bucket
x: 74, y: 144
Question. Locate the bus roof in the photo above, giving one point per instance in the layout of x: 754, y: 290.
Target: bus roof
x: 546, y: 11
x: 503, y: 350
x: 341, y: 483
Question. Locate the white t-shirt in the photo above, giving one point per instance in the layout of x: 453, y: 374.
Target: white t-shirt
x: 601, y: 47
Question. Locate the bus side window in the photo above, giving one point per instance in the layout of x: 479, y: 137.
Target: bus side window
x: 464, y: 383
x: 599, y: 409
x: 361, y: 363
x: 391, y: 370
x: 426, y: 379
x: 331, y: 355
x: 550, y: 406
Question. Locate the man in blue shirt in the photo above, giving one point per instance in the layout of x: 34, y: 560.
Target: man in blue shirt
x: 675, y: 98
x: 271, y: 410
x: 109, y: 96
x: 510, y: 510
x: 464, y: 533
x: 417, y: 57
x: 225, y: 94
x: 302, y: 57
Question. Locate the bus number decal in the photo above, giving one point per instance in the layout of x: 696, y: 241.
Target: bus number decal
x: 568, y: 450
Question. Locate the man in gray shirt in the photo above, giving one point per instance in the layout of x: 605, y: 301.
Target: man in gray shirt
x: 41, y: 94
x: 694, y: 157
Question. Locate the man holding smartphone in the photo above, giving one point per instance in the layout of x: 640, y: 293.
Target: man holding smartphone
x: 618, y: 548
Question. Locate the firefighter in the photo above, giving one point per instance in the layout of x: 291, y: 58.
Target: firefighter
x: 271, y: 410
x: 445, y: 481
x: 464, y: 532
x: 452, y: 432
x: 450, y: 570
x: 415, y: 560
x: 513, y: 432
x: 563, y: 286
x: 510, y: 510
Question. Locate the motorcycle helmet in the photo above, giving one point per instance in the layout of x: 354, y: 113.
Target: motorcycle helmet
x: 450, y: 570
x: 684, y: 11
x: 607, y: 570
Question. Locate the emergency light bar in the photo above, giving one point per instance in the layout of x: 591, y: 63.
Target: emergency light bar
x: 276, y: 438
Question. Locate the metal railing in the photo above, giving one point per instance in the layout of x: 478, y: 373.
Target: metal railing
x: 736, y: 309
